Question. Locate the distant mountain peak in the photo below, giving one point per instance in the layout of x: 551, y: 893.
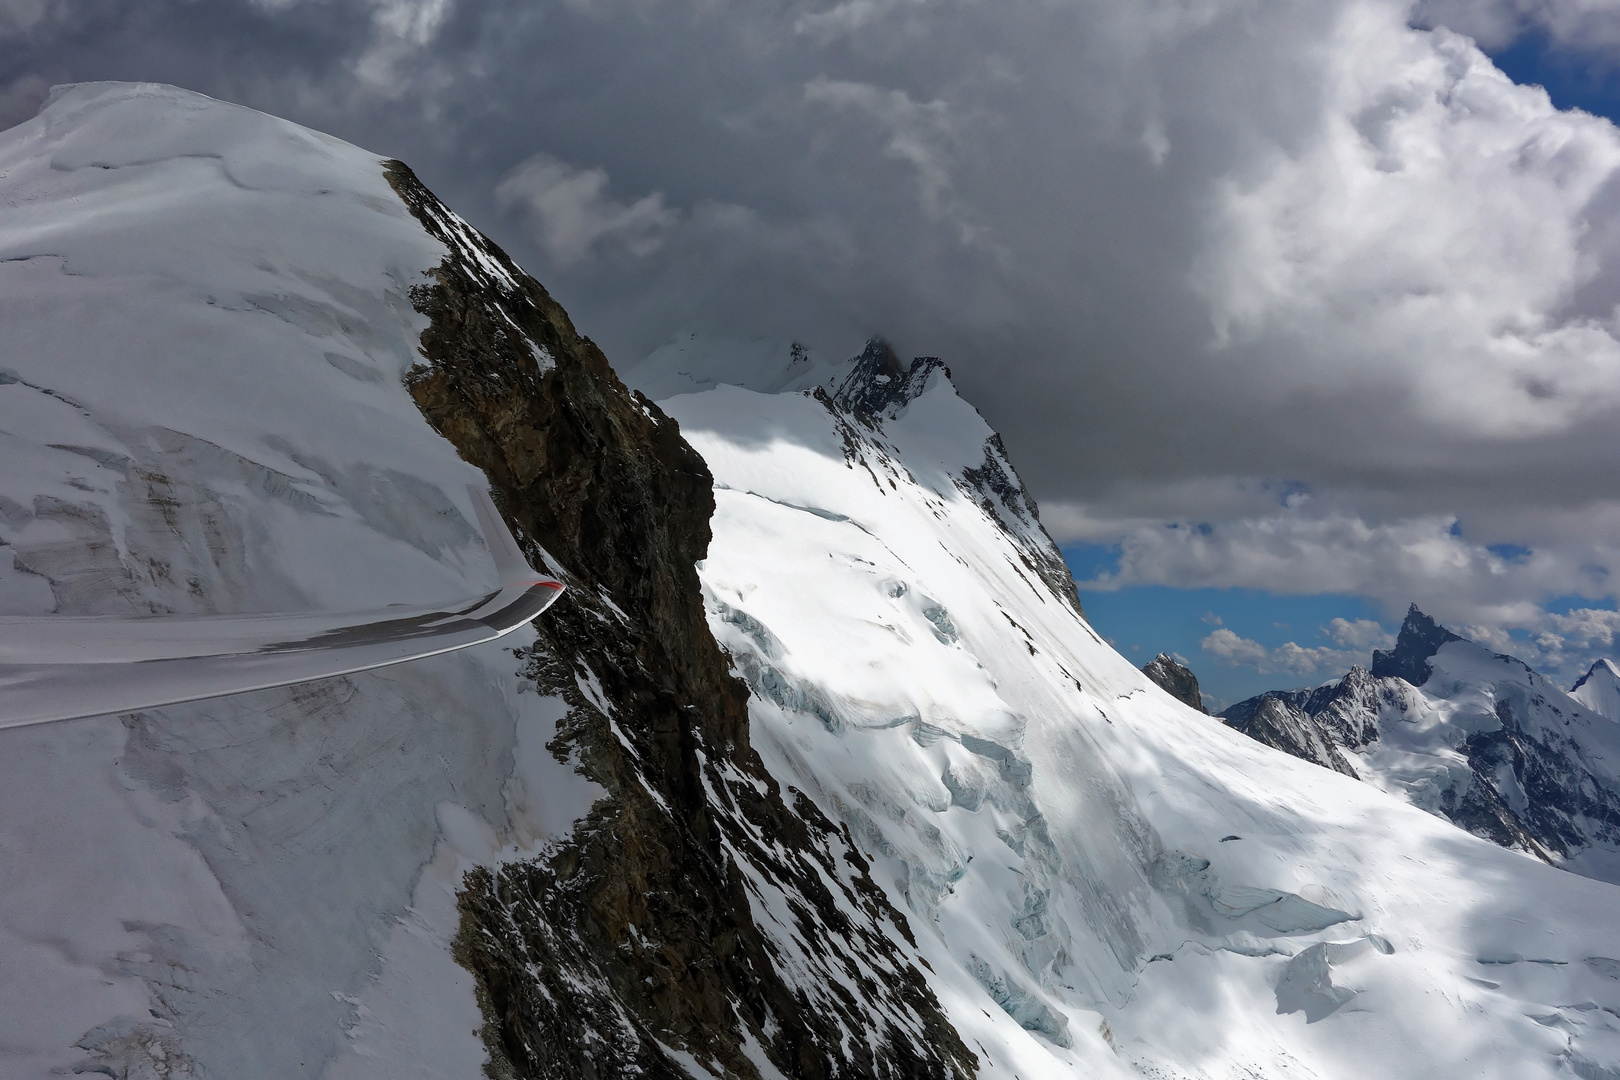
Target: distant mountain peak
x: 1420, y: 638
x: 1600, y: 669
x: 1599, y: 689
x: 879, y: 387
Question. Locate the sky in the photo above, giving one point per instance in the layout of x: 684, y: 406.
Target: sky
x: 1288, y: 312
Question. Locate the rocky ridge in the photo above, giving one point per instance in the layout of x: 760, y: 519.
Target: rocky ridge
x: 1474, y: 736
x: 217, y: 379
x: 638, y: 942
x: 1175, y: 679
x: 878, y: 388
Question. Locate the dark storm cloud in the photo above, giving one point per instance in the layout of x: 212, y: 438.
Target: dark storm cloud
x: 1186, y: 256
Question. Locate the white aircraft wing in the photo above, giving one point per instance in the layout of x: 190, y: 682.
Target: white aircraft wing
x: 55, y: 667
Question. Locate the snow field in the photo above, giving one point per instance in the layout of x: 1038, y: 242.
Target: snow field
x: 207, y: 317
x: 1056, y: 827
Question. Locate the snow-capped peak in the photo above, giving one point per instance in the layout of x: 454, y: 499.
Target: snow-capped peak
x: 879, y: 386
x: 1081, y: 857
x: 1420, y: 638
x: 1599, y: 689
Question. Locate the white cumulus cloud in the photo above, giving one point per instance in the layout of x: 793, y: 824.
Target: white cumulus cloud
x: 1289, y: 658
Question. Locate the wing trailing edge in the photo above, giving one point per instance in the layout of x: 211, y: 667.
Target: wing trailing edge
x: 55, y: 667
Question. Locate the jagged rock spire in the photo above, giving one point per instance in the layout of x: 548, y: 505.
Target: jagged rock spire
x: 1420, y: 638
x: 879, y: 387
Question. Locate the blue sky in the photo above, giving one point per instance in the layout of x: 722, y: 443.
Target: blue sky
x: 1145, y: 620
x: 1572, y: 80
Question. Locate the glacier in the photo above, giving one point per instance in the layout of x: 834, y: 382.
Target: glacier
x: 817, y: 770
x: 201, y: 414
x: 1111, y: 882
x: 1475, y: 736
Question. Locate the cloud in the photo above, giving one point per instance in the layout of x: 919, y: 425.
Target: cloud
x: 1559, y: 644
x: 1288, y: 658
x: 1280, y: 539
x: 19, y: 17
x: 920, y: 134
x: 1293, y: 297
x: 1585, y: 627
x: 402, y: 29
x: 847, y: 17
x: 569, y: 211
x: 1372, y: 232
x: 1591, y: 25
x: 1358, y: 634
x: 21, y: 99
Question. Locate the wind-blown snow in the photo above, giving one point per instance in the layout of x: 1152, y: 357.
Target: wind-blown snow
x: 1104, y: 881
x: 206, y: 320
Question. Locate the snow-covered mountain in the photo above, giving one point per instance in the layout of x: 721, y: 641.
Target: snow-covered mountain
x: 1599, y: 689
x: 1103, y: 881
x: 815, y: 771
x: 251, y: 368
x: 1471, y: 735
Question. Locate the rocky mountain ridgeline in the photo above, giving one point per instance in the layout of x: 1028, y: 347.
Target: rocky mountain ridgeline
x: 640, y: 934
x: 1474, y: 736
x: 815, y: 771
x: 878, y: 388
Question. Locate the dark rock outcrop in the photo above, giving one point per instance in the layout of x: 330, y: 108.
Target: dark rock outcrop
x: 1314, y: 723
x: 1283, y: 725
x: 1347, y: 711
x: 879, y: 387
x: 1175, y: 679
x: 1531, y: 784
x: 1420, y: 638
x: 1532, y: 788
x: 636, y: 937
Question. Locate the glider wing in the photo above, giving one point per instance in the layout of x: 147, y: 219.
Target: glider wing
x: 55, y: 667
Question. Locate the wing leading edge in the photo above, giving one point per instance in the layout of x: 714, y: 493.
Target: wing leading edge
x: 55, y: 667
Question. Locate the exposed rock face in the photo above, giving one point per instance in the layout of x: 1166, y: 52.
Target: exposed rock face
x: 638, y: 937
x: 1420, y: 638
x: 1347, y: 711
x: 1175, y: 679
x: 1492, y: 746
x: 878, y: 386
x: 1284, y: 725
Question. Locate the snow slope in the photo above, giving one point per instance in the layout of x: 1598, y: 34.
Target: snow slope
x: 1599, y: 689
x: 208, y: 317
x: 201, y: 412
x: 1105, y: 882
x: 1472, y: 735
